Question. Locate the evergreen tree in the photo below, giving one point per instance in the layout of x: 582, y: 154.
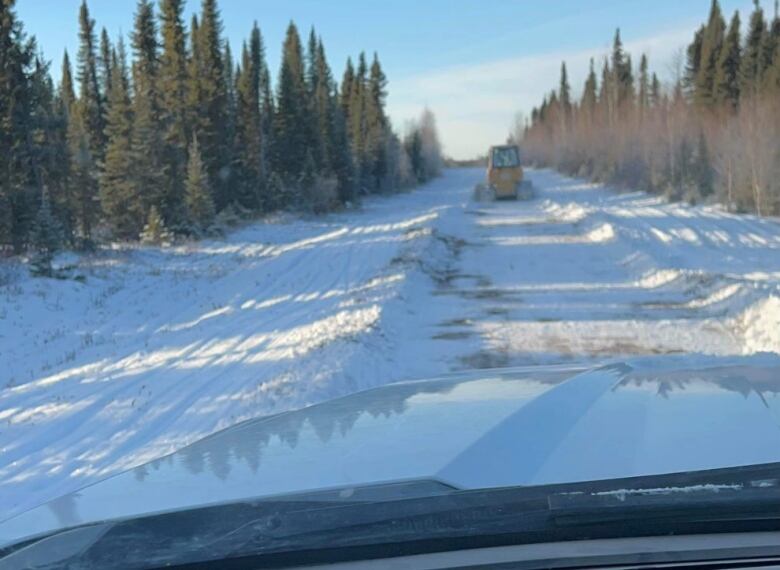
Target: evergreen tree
x: 623, y: 84
x: 46, y: 240
x: 693, y: 62
x: 413, y: 147
x: 771, y: 75
x: 376, y: 125
x: 341, y: 156
x: 200, y: 204
x: 564, y: 90
x: 311, y: 63
x: 67, y: 91
x: 752, y: 64
x: 312, y: 81
x: 248, y: 129
x: 46, y: 136
x: 290, y: 120
x: 307, y: 186
x: 119, y: 196
x: 194, y: 89
x: 727, y: 74
x: 90, y: 99
x: 155, y: 232
x: 16, y: 201
x: 66, y: 98
x: 147, y: 143
x: 257, y: 53
x: 357, y: 123
x: 325, y: 105
x: 82, y: 179
x: 207, y: 82
x: 346, y: 89
x: 605, y: 88
x: 711, y: 47
x: 104, y: 64
x: 589, y: 94
x: 227, y: 174
x: 172, y: 82
x: 86, y: 133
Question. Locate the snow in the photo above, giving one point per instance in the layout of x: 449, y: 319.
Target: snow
x: 157, y: 348
x: 623, y: 494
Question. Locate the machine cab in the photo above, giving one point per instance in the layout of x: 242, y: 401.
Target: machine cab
x: 505, y: 175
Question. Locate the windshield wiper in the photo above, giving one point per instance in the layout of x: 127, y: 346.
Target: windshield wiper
x: 282, y: 531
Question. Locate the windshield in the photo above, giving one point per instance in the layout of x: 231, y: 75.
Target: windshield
x: 505, y: 157
x: 413, y: 251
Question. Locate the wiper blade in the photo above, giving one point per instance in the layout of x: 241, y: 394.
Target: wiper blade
x: 316, y: 528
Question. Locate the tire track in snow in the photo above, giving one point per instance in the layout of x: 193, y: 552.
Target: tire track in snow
x: 576, y: 273
x: 266, y: 323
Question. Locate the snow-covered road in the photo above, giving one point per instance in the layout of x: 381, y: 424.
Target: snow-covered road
x: 157, y: 349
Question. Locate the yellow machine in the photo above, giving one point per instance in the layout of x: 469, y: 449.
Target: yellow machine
x: 505, y: 175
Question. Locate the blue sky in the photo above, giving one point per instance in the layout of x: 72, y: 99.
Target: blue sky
x: 475, y: 63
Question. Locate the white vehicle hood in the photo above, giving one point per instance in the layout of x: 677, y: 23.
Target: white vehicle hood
x: 482, y: 429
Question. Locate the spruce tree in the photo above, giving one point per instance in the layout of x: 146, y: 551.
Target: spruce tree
x: 711, y: 47
x: 227, y: 174
x: 172, y: 86
x: 66, y: 91
x: 589, y: 93
x: 17, y: 203
x: 86, y: 133
x: 200, y: 204
x: 312, y: 82
x: 155, y: 232
x: 564, y: 90
x: 357, y: 124
x: 82, y: 179
x: 324, y: 108
x: 47, y: 141
x: 290, y: 120
x: 376, y: 125
x: 248, y: 130
x: 211, y: 112
x: 147, y: 143
x: 693, y: 62
x: 771, y: 75
x: 751, y: 66
x: 311, y: 63
x: 257, y: 53
x: 104, y: 64
x: 623, y: 84
x: 727, y: 74
x: 346, y: 89
x: 119, y: 196
x: 341, y: 156
x: 46, y: 240
x: 90, y: 99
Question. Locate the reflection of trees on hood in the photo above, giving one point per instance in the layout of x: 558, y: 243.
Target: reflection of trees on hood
x: 743, y: 380
x: 246, y: 441
x: 336, y: 419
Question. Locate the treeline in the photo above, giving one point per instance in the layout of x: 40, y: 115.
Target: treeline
x: 712, y: 132
x: 170, y: 135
